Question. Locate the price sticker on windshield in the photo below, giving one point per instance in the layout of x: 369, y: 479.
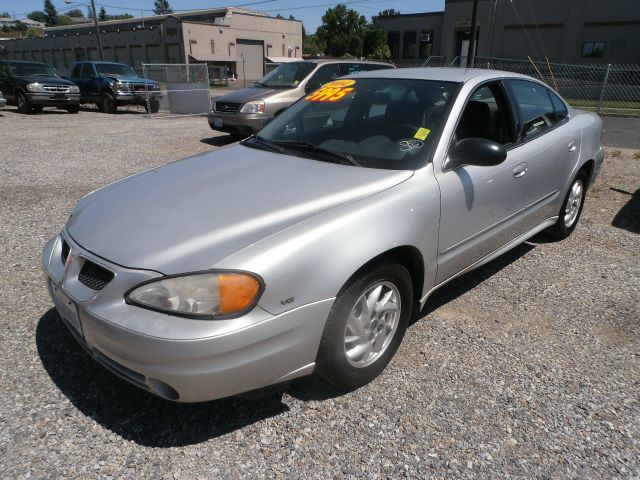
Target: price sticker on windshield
x: 332, y: 91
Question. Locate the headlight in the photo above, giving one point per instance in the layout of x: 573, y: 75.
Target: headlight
x: 74, y: 89
x: 256, y: 106
x: 35, y: 87
x: 122, y: 86
x: 205, y: 295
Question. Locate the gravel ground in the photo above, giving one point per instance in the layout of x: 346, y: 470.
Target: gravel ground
x: 527, y: 367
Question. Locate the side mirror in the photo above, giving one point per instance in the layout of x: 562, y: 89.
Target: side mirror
x: 476, y: 151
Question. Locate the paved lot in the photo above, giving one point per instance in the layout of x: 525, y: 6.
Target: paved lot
x: 529, y: 366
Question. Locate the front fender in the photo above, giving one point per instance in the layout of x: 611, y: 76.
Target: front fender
x: 312, y: 260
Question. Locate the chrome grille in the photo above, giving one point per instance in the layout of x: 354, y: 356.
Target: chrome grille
x: 56, y: 88
x: 227, y: 107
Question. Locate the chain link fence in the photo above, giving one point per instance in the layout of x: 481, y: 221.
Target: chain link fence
x: 182, y: 89
x: 612, y: 91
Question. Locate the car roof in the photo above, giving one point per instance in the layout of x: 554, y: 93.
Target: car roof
x: 23, y: 61
x: 344, y: 60
x: 459, y: 75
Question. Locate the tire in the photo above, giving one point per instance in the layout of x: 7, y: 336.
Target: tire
x: 342, y: 357
x: 571, y: 209
x: 73, y: 109
x: 152, y: 106
x: 37, y: 108
x: 23, y: 103
x: 107, y: 103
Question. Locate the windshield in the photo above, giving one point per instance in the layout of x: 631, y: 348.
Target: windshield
x: 29, y: 69
x: 115, y: 69
x: 377, y: 123
x: 287, y: 75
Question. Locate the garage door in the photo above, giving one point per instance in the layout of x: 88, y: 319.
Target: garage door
x: 253, y: 53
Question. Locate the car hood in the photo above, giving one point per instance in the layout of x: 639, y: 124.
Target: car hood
x: 43, y: 79
x: 247, y: 94
x: 130, y: 79
x: 191, y: 214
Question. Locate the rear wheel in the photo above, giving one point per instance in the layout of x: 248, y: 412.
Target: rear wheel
x: 365, y: 326
x: 107, y: 103
x: 23, y: 103
x: 571, y: 209
x: 37, y: 108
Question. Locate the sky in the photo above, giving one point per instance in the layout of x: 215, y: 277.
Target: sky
x: 309, y: 11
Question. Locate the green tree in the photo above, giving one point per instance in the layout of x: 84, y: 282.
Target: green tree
x: 33, y: 33
x: 51, y: 14
x: 5, y: 15
x: 341, y: 31
x: 21, y: 27
x: 64, y: 20
x: 162, y: 7
x: 76, y: 12
x: 123, y: 16
x: 389, y: 12
x: 102, y: 15
x: 37, y: 16
x: 373, y: 39
x: 311, y: 45
x: 382, y: 52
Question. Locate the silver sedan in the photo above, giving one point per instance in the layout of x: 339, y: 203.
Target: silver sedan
x: 307, y: 247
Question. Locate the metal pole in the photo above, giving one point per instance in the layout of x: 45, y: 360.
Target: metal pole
x: 472, y: 41
x: 604, y: 85
x: 95, y: 22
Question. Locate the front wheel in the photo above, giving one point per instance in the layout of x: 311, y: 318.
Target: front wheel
x: 107, y: 103
x: 73, y: 109
x: 571, y: 209
x: 23, y: 103
x: 152, y: 105
x: 365, y: 326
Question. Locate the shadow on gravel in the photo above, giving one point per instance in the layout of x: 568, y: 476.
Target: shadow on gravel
x: 131, y: 412
x: 219, y: 141
x: 628, y: 218
x: 463, y: 284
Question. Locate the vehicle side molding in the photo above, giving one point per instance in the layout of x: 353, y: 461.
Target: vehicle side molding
x: 476, y: 151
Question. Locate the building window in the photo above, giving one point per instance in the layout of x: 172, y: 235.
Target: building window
x: 592, y: 49
x: 213, y: 46
x: 409, y: 44
x: 393, y: 39
x: 426, y: 43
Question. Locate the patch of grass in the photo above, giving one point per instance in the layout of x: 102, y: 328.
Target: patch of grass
x: 615, y: 154
x: 619, y: 107
x: 636, y: 156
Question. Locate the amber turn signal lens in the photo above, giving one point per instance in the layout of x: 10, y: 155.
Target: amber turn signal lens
x: 237, y: 292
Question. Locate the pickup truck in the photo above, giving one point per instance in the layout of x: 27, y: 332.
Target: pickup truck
x: 109, y: 85
x: 34, y: 85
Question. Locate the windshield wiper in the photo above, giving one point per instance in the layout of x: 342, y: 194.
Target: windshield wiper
x: 312, y: 147
x: 257, y: 140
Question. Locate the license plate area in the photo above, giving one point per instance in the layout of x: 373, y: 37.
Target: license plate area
x: 59, y: 96
x: 66, y: 307
x: 217, y: 122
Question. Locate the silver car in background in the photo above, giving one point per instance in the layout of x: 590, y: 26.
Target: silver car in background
x: 307, y: 248
x: 245, y: 111
x: 3, y: 101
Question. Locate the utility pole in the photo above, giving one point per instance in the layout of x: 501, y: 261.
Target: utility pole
x: 472, y: 41
x: 95, y: 22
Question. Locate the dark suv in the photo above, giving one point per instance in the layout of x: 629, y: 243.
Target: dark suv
x: 109, y: 84
x: 34, y: 85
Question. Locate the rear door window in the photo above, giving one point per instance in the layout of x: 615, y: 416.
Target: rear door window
x: 559, y: 107
x: 87, y: 71
x: 75, y: 73
x: 536, y: 110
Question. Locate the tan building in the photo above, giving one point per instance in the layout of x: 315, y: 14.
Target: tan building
x: 236, y: 39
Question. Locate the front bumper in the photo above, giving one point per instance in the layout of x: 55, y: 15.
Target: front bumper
x: 177, y: 358
x: 54, y: 99
x: 237, y: 123
x: 136, y: 97
x: 599, y: 162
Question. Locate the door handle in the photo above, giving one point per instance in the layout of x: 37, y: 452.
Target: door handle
x: 520, y: 170
x: 572, y: 146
